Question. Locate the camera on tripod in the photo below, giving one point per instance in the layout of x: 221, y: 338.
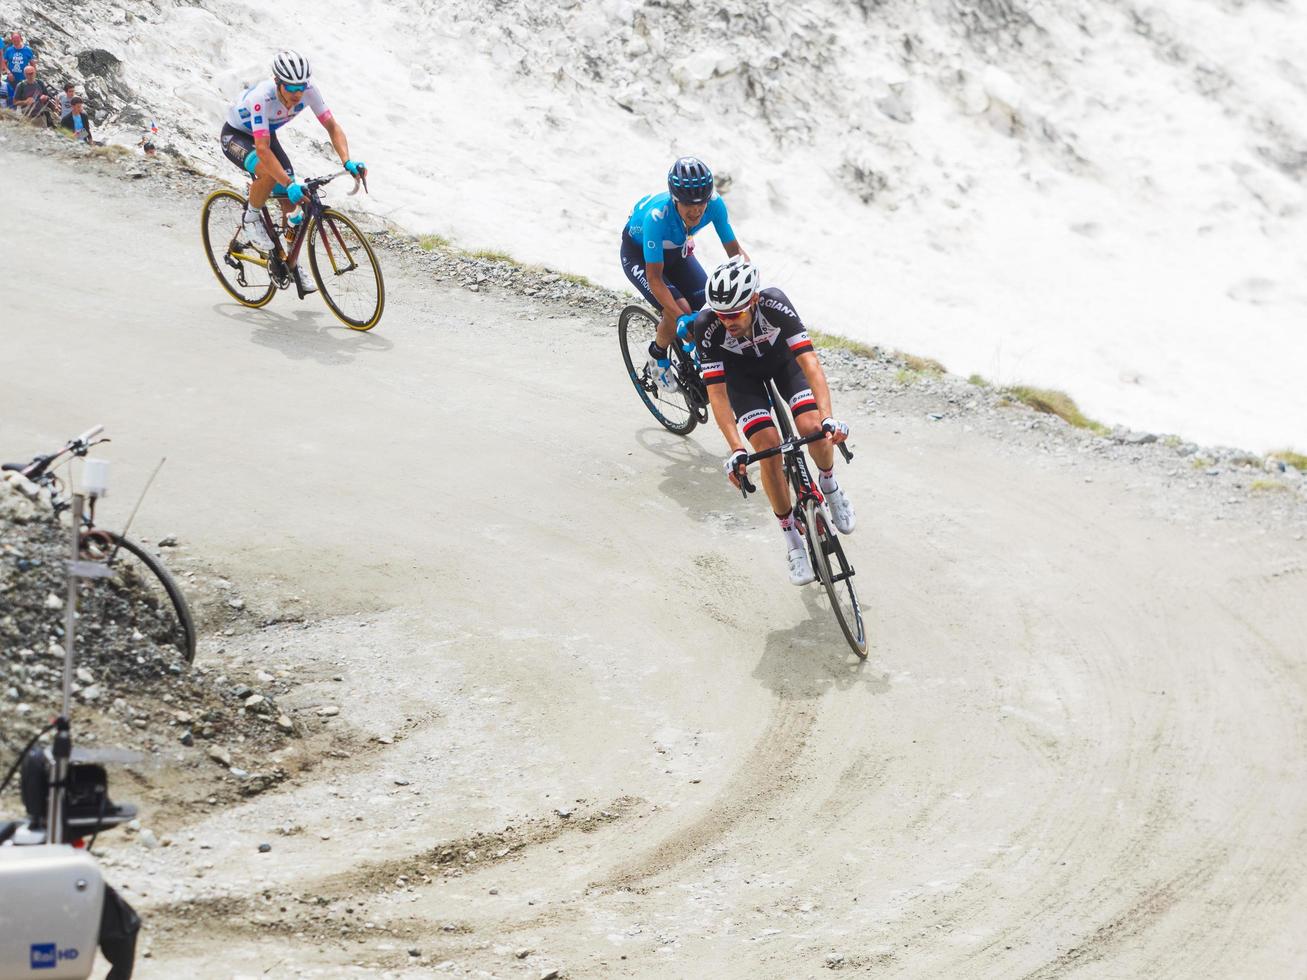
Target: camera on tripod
x: 87, y: 809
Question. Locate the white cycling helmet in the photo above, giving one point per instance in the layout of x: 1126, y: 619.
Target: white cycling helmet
x: 291, y: 68
x: 732, y: 285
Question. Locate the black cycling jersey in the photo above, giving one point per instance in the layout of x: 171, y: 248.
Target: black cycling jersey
x: 745, y: 363
x: 777, y: 335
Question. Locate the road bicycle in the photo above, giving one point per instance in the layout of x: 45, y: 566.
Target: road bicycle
x: 678, y: 411
x: 814, y: 522
x: 156, y: 604
x: 344, y: 266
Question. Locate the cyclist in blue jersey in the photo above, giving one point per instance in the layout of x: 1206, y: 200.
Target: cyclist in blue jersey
x: 658, y: 252
x: 249, y: 140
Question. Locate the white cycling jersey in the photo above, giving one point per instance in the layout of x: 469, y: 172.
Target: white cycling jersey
x: 258, y: 111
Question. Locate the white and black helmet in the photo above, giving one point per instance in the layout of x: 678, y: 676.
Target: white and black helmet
x: 732, y: 284
x: 291, y: 68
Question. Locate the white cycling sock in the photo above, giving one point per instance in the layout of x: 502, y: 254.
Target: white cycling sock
x: 790, y: 530
x: 826, y: 480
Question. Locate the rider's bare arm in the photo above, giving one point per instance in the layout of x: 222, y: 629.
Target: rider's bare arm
x: 733, y: 249
x: 724, y: 416
x: 337, y: 137
x: 812, y: 370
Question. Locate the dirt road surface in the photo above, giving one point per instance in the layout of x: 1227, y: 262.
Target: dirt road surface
x: 597, y: 730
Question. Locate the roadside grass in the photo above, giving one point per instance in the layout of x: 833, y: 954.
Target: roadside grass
x: 1265, y: 486
x: 921, y: 365
x: 1289, y: 458
x: 832, y: 341
x: 1053, y: 402
x: 491, y: 255
x: 429, y: 243
x: 978, y: 381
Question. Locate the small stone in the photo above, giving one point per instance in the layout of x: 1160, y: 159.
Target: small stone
x: 264, y: 848
x: 187, y: 738
x: 328, y: 711
x: 237, y: 604
x: 242, y: 691
x: 219, y: 754
x: 415, y: 952
x: 264, y: 677
x: 523, y: 953
x: 834, y: 960
x: 564, y: 811
x: 168, y: 541
x: 935, y: 416
x: 148, y: 838
x: 549, y: 975
x: 91, y: 693
x: 401, y: 782
x: 285, y: 724
x: 84, y: 676
x: 52, y: 601
x: 238, y: 772
x: 1139, y: 438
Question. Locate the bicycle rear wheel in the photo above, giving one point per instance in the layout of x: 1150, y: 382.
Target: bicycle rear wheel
x: 240, y: 268
x: 151, y: 600
x: 836, y: 575
x: 677, y: 411
x: 346, y: 270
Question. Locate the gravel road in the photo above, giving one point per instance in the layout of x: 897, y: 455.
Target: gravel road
x: 590, y: 726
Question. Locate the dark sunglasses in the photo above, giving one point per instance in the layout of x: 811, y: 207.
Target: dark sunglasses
x: 294, y: 88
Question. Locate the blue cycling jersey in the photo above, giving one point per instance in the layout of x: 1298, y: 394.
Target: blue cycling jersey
x: 657, y: 226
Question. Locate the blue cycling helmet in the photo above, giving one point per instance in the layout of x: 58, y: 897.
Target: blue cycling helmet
x: 690, y: 181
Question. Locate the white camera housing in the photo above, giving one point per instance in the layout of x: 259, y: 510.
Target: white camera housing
x: 50, y: 903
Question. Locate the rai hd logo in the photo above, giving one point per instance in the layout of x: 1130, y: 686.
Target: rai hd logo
x: 46, y: 956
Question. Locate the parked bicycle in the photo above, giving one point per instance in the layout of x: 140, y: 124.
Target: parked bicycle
x: 678, y: 411
x: 344, y: 266
x: 814, y: 523
x: 163, y: 614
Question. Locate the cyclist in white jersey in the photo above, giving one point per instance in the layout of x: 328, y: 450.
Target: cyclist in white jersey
x: 249, y: 140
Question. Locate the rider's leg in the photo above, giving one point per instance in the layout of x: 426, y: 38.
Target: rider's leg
x: 686, y: 279
x: 634, y: 269
x: 822, y: 453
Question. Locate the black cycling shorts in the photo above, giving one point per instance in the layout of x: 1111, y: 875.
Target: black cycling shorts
x: 751, y: 404
x: 238, y: 145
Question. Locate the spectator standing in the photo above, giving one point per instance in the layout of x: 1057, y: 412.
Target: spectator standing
x: 17, y: 57
x: 33, y: 97
x: 66, y: 100
x: 77, y: 121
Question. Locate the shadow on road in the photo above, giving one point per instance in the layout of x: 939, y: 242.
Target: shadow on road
x: 693, y: 476
x: 307, y: 334
x: 807, y: 660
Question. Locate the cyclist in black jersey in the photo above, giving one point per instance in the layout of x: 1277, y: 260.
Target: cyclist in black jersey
x: 747, y: 335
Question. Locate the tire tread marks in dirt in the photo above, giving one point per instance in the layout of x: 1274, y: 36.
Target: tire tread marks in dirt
x: 768, y: 773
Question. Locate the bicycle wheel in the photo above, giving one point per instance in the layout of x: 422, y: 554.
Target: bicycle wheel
x: 242, y: 271
x: 836, y: 574
x: 675, y: 411
x: 348, y: 274
x: 152, y: 601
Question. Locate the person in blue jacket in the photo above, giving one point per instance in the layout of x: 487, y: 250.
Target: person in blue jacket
x: 658, y: 252
x: 17, y: 56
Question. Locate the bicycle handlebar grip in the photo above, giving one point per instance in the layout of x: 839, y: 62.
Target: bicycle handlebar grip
x: 89, y: 434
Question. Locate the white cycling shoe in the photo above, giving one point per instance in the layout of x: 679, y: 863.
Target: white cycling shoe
x: 662, y: 376
x: 306, y: 278
x: 801, y: 567
x: 841, y: 511
x: 253, y: 229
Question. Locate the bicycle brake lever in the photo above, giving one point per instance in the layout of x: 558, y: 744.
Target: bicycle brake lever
x: 848, y: 456
x: 746, y: 487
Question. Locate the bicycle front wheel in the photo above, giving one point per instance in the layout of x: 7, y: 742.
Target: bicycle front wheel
x: 141, y: 589
x: 346, y: 270
x: 836, y: 575
x: 636, y: 328
x: 240, y: 268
